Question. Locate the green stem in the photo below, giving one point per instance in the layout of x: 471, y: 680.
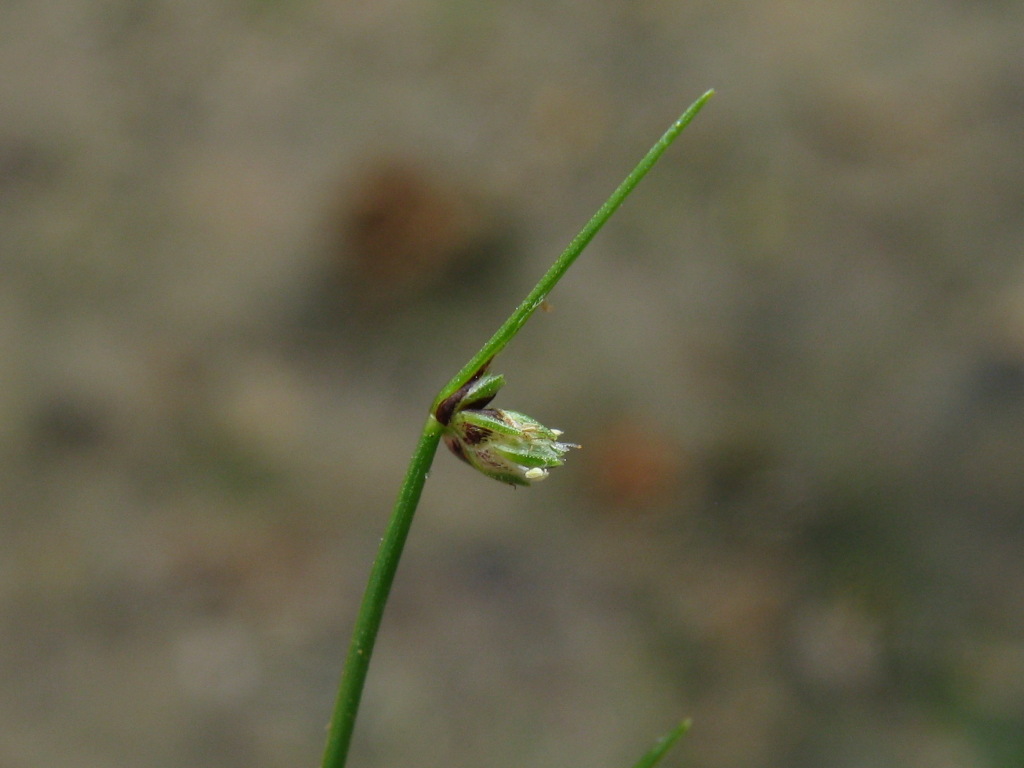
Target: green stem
x: 382, y: 573
x: 523, y: 312
x: 377, y: 589
x: 664, y: 744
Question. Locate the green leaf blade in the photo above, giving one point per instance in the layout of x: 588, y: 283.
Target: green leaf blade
x: 665, y: 743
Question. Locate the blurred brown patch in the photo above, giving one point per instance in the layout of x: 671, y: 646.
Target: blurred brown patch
x: 401, y: 231
x: 638, y: 466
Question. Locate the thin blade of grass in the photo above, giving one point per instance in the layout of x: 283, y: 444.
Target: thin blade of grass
x: 665, y: 743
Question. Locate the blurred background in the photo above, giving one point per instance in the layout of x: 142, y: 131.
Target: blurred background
x: 244, y: 242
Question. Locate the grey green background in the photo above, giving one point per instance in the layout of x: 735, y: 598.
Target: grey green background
x: 795, y: 359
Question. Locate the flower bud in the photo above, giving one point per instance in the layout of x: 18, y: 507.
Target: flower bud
x: 506, y: 445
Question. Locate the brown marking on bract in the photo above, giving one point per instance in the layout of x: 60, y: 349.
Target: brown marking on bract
x: 455, y: 447
x: 474, y: 435
x: 447, y: 407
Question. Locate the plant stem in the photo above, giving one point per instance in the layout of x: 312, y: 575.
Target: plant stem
x: 664, y: 744
x: 529, y: 305
x: 382, y: 573
x: 378, y: 587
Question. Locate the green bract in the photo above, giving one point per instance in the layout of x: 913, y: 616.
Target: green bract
x: 505, y: 445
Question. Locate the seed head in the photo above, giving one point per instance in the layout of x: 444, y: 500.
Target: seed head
x: 506, y: 445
